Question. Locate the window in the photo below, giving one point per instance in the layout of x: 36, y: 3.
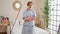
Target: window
x: 54, y: 16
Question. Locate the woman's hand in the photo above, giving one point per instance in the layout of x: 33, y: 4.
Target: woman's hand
x: 30, y: 18
x: 27, y: 19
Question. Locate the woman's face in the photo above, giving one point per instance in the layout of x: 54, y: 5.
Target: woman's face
x: 30, y: 5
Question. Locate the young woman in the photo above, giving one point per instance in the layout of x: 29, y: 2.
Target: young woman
x: 28, y: 17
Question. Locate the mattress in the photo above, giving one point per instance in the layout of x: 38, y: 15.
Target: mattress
x: 36, y: 30
x: 18, y: 29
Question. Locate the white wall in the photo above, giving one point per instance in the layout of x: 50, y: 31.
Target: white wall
x: 7, y: 10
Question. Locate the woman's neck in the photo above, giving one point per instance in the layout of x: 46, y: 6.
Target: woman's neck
x: 29, y: 9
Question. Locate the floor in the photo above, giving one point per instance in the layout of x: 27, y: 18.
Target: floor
x: 3, y: 32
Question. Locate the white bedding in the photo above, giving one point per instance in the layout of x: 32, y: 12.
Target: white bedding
x: 18, y: 30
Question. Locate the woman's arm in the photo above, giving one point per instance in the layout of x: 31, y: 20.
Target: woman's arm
x: 33, y: 18
x: 27, y: 19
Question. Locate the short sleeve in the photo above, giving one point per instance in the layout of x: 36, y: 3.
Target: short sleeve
x: 24, y: 15
x: 35, y: 13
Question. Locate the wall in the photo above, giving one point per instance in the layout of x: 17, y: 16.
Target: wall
x: 39, y: 7
x: 7, y: 10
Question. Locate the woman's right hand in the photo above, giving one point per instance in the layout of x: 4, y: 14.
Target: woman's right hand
x: 27, y: 19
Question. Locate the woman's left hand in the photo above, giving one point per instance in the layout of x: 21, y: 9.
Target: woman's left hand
x: 31, y: 18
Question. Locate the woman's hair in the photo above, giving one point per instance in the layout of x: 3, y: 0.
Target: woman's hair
x: 29, y: 3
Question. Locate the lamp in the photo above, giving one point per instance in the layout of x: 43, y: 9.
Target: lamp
x: 17, y: 5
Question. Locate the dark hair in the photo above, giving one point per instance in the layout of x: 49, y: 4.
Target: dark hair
x: 29, y: 3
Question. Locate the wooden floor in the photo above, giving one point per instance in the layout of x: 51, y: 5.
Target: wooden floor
x: 3, y: 32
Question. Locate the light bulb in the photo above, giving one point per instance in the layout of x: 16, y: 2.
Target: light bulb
x: 17, y: 5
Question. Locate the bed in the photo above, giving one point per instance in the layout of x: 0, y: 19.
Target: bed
x: 18, y: 30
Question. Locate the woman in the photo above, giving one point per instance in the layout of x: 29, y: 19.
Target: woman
x: 28, y: 17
